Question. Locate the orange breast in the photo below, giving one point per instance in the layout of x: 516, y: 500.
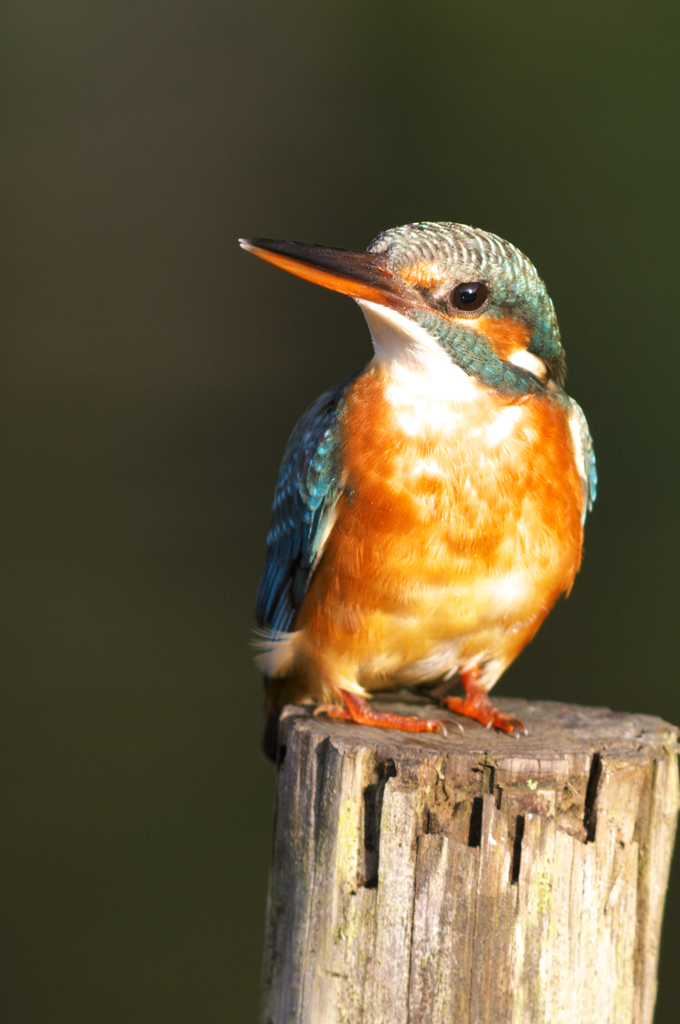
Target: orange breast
x: 459, y: 528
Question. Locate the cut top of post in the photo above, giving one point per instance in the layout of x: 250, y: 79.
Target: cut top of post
x: 472, y: 877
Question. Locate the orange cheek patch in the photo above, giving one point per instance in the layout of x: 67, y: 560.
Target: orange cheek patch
x: 506, y: 336
x: 423, y: 275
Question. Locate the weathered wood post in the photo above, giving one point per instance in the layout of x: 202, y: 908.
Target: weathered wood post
x: 418, y: 879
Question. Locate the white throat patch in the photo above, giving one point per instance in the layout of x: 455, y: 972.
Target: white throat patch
x: 409, y: 352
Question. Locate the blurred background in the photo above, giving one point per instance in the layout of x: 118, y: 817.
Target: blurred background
x: 150, y: 374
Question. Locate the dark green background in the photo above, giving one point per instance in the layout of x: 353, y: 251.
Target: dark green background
x: 150, y: 374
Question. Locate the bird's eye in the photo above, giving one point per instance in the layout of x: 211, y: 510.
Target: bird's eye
x: 469, y: 296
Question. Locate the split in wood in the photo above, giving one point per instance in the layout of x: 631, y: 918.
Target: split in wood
x: 477, y: 879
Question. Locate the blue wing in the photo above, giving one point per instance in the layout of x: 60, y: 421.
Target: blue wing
x: 587, y: 466
x: 307, y: 491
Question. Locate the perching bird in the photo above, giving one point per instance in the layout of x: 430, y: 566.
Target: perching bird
x: 429, y: 510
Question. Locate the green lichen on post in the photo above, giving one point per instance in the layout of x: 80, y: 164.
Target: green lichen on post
x: 419, y: 879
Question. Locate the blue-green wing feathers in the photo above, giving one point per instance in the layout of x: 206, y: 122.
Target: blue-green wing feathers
x: 309, y: 485
x: 587, y: 466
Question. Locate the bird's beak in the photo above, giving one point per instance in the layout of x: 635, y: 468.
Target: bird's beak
x: 363, y: 275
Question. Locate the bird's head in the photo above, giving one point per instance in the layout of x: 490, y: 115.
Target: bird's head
x: 476, y: 295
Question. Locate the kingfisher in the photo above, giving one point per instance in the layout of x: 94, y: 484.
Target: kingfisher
x: 429, y: 510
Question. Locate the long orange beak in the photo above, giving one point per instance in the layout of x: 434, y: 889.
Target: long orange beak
x: 363, y: 275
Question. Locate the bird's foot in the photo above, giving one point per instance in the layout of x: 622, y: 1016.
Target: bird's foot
x: 478, y: 706
x: 358, y: 709
x: 333, y: 711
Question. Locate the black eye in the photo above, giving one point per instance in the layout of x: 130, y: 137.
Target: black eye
x: 469, y: 296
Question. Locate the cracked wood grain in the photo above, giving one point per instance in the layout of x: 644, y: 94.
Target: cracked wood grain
x: 474, y: 878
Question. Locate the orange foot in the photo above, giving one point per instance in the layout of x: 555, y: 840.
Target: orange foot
x: 358, y: 709
x: 478, y: 706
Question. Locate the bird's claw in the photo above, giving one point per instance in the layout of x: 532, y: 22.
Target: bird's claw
x: 357, y: 709
x: 452, y: 721
x: 478, y: 706
x: 333, y: 711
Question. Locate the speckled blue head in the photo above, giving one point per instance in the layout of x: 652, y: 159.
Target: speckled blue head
x: 477, y: 295
x: 434, y: 258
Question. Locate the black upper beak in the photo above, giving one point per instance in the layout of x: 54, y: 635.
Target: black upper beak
x: 363, y: 275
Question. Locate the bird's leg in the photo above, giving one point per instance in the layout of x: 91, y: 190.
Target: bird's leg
x: 358, y: 709
x: 478, y: 706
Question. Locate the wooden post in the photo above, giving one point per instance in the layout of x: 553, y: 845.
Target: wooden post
x: 473, y: 879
